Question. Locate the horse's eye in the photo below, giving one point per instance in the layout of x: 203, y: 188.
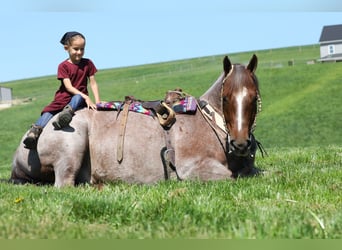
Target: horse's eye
x: 225, y: 99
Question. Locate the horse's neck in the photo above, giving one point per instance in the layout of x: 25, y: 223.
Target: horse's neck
x: 213, y: 94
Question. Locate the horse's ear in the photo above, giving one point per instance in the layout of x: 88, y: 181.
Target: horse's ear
x: 227, y: 65
x: 253, y: 63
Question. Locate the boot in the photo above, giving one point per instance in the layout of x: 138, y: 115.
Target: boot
x: 64, y: 118
x: 32, y: 137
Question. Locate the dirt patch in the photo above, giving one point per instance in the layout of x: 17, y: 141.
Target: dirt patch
x: 5, y: 105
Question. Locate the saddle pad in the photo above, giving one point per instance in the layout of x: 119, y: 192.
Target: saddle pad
x: 186, y: 105
x: 117, y: 105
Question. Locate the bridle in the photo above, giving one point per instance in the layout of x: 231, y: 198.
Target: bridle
x: 259, y: 102
x: 258, y: 110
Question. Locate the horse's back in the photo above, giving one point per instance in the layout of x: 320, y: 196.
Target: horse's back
x: 138, y: 138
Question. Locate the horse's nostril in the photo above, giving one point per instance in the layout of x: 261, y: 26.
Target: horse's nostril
x: 241, y: 145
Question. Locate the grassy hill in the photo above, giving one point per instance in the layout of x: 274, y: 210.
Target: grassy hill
x: 299, y: 126
x: 300, y: 102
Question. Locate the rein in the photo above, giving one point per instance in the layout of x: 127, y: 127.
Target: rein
x: 258, y: 111
x: 209, y: 121
x: 209, y: 114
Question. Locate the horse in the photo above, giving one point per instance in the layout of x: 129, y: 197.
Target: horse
x: 110, y: 146
x: 228, y: 111
x: 240, y: 102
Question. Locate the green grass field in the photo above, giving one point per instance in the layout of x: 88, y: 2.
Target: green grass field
x: 298, y: 197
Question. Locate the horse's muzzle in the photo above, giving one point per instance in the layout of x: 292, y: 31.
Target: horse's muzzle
x: 240, y: 148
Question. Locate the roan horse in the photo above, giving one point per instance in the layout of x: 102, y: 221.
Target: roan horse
x: 195, y: 147
x: 230, y: 107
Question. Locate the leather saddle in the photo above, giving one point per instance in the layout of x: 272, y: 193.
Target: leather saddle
x: 165, y: 114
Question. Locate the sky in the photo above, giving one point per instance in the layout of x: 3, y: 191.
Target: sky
x: 128, y: 33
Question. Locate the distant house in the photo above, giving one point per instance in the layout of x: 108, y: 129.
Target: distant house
x: 331, y: 43
x: 5, y: 97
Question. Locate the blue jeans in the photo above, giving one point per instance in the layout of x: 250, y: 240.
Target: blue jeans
x: 76, y: 103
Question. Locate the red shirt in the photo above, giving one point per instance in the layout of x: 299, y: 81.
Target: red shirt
x: 78, y: 75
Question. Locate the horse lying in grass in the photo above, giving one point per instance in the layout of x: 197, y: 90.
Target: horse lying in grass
x: 213, y: 143
x: 221, y: 134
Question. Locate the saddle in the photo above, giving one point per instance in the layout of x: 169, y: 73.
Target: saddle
x: 165, y: 115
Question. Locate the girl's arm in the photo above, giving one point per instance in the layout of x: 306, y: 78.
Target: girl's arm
x: 71, y: 89
x: 94, y: 88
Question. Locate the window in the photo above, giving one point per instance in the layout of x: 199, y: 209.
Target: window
x: 331, y: 49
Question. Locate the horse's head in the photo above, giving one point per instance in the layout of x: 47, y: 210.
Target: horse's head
x: 240, y: 101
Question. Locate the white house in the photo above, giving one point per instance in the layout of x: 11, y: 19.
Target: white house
x: 331, y: 43
x: 5, y: 97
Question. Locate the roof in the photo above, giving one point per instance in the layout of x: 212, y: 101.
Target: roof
x: 331, y: 33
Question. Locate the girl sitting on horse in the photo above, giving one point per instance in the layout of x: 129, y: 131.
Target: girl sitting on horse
x: 72, y: 94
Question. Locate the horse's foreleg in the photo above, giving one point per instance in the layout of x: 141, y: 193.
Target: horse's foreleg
x: 205, y: 170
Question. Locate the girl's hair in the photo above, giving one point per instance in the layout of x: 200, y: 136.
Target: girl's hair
x: 69, y: 37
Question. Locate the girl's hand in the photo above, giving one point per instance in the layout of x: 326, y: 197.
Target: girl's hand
x: 90, y: 104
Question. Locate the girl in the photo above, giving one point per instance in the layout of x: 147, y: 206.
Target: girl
x: 72, y: 93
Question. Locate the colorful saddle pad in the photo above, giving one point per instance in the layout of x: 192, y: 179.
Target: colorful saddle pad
x: 117, y: 105
x: 186, y: 105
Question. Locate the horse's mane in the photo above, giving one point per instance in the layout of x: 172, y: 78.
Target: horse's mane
x: 213, y: 94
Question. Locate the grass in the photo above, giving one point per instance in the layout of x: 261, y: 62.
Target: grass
x: 298, y: 197
x: 285, y: 203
